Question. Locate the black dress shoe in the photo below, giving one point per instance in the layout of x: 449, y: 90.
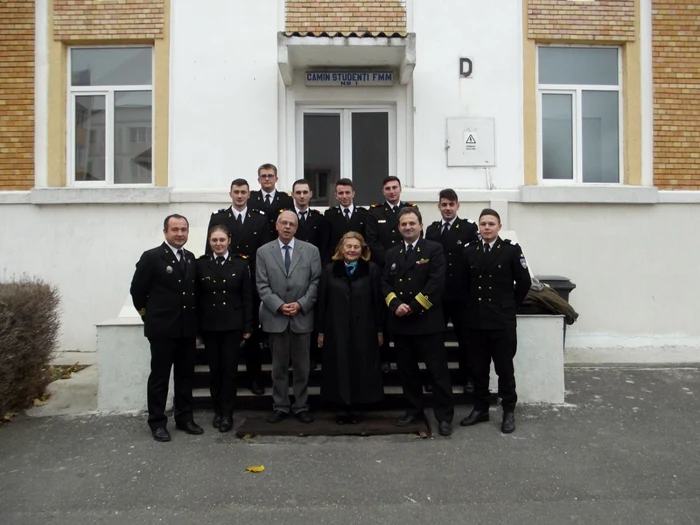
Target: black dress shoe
x: 276, y: 416
x: 407, y: 420
x: 190, y: 427
x: 476, y: 416
x: 161, y: 434
x: 256, y: 388
x: 226, y: 424
x: 305, y: 417
x: 216, y: 421
x: 428, y: 388
x: 468, y: 387
x: 445, y: 428
x: 508, y: 425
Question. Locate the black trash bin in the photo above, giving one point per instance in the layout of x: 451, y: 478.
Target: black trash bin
x: 562, y: 285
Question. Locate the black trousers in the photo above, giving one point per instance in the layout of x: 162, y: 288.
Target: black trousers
x: 252, y: 351
x: 456, y: 311
x: 429, y: 348
x: 223, y: 350
x: 178, y: 354
x: 499, y: 345
x: 387, y: 354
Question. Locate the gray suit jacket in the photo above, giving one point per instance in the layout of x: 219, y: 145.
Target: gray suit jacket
x: 276, y: 288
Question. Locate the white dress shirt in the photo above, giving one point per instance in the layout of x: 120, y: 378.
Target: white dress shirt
x: 291, y: 246
x: 175, y: 250
x: 351, y: 208
x: 242, y: 213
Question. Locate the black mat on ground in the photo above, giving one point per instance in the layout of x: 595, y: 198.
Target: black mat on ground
x: 369, y: 424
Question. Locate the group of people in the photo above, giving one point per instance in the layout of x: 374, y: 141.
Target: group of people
x: 336, y: 286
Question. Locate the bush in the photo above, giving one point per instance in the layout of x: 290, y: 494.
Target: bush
x: 29, y: 324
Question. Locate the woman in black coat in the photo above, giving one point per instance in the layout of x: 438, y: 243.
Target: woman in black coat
x: 350, y: 314
x: 225, y: 310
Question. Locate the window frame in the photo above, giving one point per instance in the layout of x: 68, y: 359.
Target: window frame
x: 108, y: 92
x: 576, y: 91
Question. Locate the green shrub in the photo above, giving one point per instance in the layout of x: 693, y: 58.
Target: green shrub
x: 29, y: 325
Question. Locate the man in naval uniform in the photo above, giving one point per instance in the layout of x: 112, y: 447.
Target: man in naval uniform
x: 344, y: 216
x: 498, y: 281
x: 249, y: 230
x: 268, y: 198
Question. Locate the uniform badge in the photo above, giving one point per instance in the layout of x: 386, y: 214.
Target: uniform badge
x: 523, y: 263
x: 459, y: 242
x: 392, y: 270
x: 381, y: 221
x: 168, y: 269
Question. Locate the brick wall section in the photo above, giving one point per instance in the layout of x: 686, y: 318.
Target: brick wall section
x: 676, y: 63
x: 108, y: 19
x: 333, y: 16
x: 598, y: 20
x: 16, y: 95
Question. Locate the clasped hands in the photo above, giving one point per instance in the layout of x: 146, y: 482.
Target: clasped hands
x: 402, y: 310
x: 290, y: 309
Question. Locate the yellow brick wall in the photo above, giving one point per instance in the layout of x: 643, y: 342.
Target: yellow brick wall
x: 676, y: 63
x: 80, y: 20
x: 598, y: 20
x: 333, y: 16
x: 16, y: 95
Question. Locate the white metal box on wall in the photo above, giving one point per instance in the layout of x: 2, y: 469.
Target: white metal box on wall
x: 470, y: 142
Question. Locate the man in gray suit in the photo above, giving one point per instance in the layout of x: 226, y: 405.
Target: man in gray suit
x: 287, y: 275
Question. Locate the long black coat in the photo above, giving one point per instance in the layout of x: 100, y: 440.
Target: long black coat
x: 350, y: 314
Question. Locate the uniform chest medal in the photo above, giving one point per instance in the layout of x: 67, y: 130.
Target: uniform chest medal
x: 168, y: 269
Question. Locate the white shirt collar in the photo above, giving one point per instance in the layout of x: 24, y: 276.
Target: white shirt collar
x: 225, y: 256
x: 174, y: 250
x: 236, y: 213
x: 299, y: 212
x: 282, y: 245
x: 449, y: 222
x: 490, y: 243
x: 406, y: 245
x: 271, y: 194
x: 398, y: 204
x: 351, y: 208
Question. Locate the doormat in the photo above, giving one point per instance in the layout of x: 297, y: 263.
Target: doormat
x: 369, y: 424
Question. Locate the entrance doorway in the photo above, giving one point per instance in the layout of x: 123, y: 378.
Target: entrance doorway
x: 354, y: 143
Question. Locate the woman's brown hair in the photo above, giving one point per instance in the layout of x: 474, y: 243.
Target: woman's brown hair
x: 364, y: 253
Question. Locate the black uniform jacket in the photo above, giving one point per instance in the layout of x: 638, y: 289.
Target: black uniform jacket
x: 315, y: 231
x: 246, y: 239
x: 164, y: 295
x: 461, y: 233
x: 282, y: 201
x: 338, y: 226
x: 382, y: 231
x: 419, y: 282
x: 225, y: 293
x: 497, y: 283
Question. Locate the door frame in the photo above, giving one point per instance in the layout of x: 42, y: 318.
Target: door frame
x: 345, y: 111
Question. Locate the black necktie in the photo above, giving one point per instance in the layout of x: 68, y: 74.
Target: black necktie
x: 181, y: 254
x: 239, y: 219
x: 347, y: 214
x: 267, y: 200
x: 287, y: 259
x: 487, y: 248
x: 220, y: 260
x: 445, y: 227
x: 395, y: 209
x: 302, y: 218
x: 409, y: 250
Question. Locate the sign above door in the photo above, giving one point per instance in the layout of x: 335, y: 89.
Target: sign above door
x: 349, y: 78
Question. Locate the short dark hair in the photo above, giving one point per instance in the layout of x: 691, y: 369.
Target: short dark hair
x: 409, y: 209
x: 391, y: 178
x: 449, y: 194
x: 221, y: 228
x: 300, y: 181
x: 174, y: 216
x: 490, y: 211
x: 268, y: 166
x: 239, y: 182
x: 344, y: 182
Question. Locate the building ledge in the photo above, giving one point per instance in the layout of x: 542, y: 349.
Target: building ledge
x: 590, y: 194
x: 301, y: 52
x: 15, y: 197
x: 150, y: 195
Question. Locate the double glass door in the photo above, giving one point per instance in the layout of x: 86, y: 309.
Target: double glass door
x: 356, y: 144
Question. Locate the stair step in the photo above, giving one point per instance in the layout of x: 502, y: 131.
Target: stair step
x: 267, y: 367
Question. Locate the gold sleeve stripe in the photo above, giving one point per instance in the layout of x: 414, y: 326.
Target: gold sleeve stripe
x: 423, y: 301
x: 390, y: 298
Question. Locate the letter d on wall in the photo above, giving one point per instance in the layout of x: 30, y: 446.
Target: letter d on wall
x: 465, y: 67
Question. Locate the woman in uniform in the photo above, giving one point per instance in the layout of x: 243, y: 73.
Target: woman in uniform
x: 349, y: 323
x: 225, y: 319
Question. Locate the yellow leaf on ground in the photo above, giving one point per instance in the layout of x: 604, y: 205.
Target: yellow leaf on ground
x: 9, y: 416
x: 257, y: 468
x: 39, y: 402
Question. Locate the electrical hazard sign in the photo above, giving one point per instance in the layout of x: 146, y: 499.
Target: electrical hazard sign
x: 470, y: 140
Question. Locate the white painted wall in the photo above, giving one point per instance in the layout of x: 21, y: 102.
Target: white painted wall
x: 490, y: 33
x: 223, y: 91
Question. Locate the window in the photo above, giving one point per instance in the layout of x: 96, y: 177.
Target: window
x: 111, y: 115
x: 580, y: 115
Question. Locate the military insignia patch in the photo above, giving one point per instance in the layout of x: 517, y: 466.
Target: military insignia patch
x: 523, y: 263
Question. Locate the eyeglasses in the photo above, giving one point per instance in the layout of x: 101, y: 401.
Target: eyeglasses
x: 291, y: 224
x: 266, y: 176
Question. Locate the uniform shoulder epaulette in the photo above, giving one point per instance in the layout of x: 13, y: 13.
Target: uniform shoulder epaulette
x: 288, y: 194
x: 435, y: 223
x: 260, y: 212
x: 219, y: 211
x: 376, y: 205
x: 470, y: 221
x: 314, y: 212
x: 240, y: 255
x: 511, y: 242
x: 360, y: 208
x: 411, y: 204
